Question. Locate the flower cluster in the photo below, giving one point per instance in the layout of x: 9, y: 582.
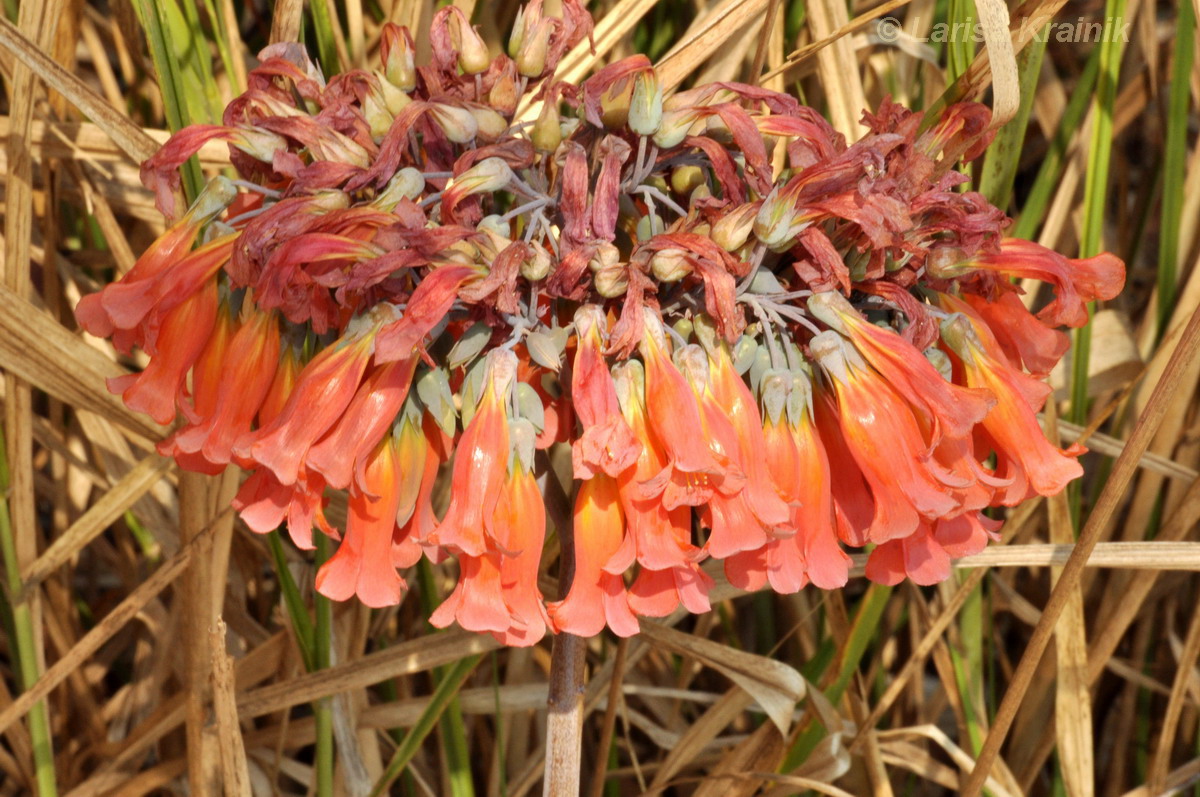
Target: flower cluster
x: 762, y: 345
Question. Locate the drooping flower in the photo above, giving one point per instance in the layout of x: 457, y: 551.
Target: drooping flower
x: 884, y: 439
x: 597, y: 596
x: 481, y: 463
x: 244, y: 382
x: 184, y: 334
x: 362, y: 564
x: 1024, y: 455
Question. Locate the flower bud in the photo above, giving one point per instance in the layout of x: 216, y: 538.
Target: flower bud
x: 396, y: 51
x: 517, y: 37
x: 776, y: 222
x: 531, y: 55
x: 612, y: 281
x: 490, y: 124
x: 670, y: 265
x: 733, y: 229
x: 673, y: 128
x: 458, y: 124
x: 649, y: 226
x: 379, y: 118
x: 490, y: 174
x: 473, y: 54
x: 685, y: 178
x: 547, y: 130
x: 394, y: 99
x: 606, y: 256
x: 495, y: 224
x: 537, y: 267
x: 645, y: 104
x: 408, y: 183
x: 946, y: 262
x: 503, y: 95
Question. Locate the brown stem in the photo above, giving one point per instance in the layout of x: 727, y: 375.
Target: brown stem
x: 564, y: 723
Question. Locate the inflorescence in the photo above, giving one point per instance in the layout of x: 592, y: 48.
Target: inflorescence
x: 762, y: 345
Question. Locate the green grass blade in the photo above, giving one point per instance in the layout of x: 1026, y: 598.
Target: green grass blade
x: 1004, y: 154
x: 452, y: 728
x: 446, y: 692
x: 862, y: 634
x: 1175, y: 162
x: 297, y: 611
x: 25, y: 640
x: 170, y: 83
x: 323, y: 28
x: 1095, y: 194
x: 1034, y: 209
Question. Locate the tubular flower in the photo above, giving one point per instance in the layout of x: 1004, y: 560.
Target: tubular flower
x: 692, y: 473
x: 184, y: 334
x: 481, y: 463
x: 800, y: 468
x: 408, y: 290
x: 1024, y: 455
x: 245, y: 380
x: 362, y: 564
x: 883, y: 438
x: 323, y: 390
x: 661, y: 538
x: 597, y: 596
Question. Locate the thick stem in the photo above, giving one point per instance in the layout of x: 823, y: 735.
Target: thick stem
x: 564, y: 727
x: 564, y: 723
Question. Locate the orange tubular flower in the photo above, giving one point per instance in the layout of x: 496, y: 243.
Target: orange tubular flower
x: 953, y: 409
x: 731, y: 395
x: 597, y: 596
x: 137, y: 310
x: 1076, y: 282
x: 245, y: 380
x: 607, y: 444
x: 521, y: 531
x: 692, y: 474
x: 800, y: 468
x: 324, y: 389
x: 661, y: 538
x: 1024, y: 339
x: 282, y: 385
x: 481, y: 462
x: 366, y: 420
x: 884, y: 439
x: 925, y: 556
x: 735, y: 522
x: 185, y: 332
x: 362, y: 564
x: 93, y: 311
x: 1024, y: 455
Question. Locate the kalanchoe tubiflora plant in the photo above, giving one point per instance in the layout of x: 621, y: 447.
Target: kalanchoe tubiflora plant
x: 762, y: 345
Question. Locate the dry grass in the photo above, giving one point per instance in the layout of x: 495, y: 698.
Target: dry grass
x: 160, y: 648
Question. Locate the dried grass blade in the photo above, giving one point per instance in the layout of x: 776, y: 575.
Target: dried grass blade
x: 1122, y: 473
x: 99, y: 516
x: 1157, y: 779
x: 124, y: 133
x: 776, y: 686
x: 694, y: 50
x: 1072, y: 699
x: 701, y: 732
x: 416, y: 655
x: 125, y: 611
